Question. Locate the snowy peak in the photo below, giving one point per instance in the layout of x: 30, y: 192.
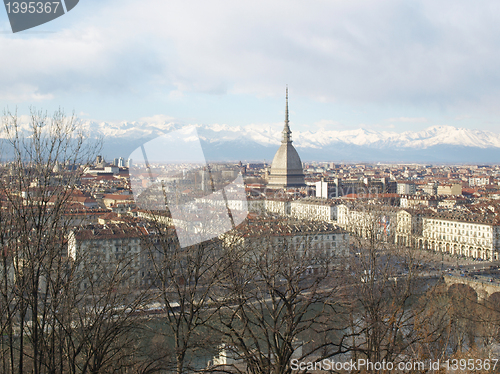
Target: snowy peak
x: 432, y: 136
x: 449, y: 135
x: 270, y: 135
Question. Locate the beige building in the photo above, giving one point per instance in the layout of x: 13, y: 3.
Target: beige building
x: 111, y: 247
x: 113, y: 201
x: 453, y: 202
x: 463, y: 234
x: 325, y: 238
x: 409, y: 226
x: 449, y: 189
x: 413, y: 201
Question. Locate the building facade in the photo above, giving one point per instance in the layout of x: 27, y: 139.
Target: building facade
x: 463, y: 235
x: 406, y: 188
x: 322, y: 240
x: 326, y: 189
x: 109, y: 248
x: 313, y: 209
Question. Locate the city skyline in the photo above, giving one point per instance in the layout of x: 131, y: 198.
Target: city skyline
x: 384, y: 66
x: 156, y: 216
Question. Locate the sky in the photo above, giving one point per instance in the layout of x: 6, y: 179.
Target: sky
x: 381, y: 65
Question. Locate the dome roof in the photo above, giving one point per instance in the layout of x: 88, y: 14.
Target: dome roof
x: 287, y: 159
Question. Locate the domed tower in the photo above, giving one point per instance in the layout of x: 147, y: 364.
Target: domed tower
x: 286, y: 169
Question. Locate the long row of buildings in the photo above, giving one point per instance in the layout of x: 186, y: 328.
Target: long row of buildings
x: 474, y: 235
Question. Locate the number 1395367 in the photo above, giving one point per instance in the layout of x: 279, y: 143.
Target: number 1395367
x: 32, y: 7
x: 471, y: 364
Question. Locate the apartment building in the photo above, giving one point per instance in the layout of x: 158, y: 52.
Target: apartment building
x: 430, y: 189
x: 313, y: 209
x: 409, y: 225
x: 406, y: 188
x: 449, y: 189
x: 378, y: 221
x: 413, y: 201
x: 480, y: 180
x: 464, y: 234
x: 109, y: 248
x: 281, y: 207
x: 469, y: 235
x: 326, y: 189
x: 324, y: 239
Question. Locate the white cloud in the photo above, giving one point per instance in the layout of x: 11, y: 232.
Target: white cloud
x: 462, y: 117
x: 409, y: 119
x: 158, y: 118
x: 176, y: 95
x: 358, y: 51
x: 24, y: 92
x: 327, y: 123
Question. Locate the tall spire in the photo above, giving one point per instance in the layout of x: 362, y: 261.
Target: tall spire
x: 286, y: 129
x: 286, y: 116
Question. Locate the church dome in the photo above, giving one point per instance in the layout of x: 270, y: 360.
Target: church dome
x: 286, y: 169
x: 287, y: 158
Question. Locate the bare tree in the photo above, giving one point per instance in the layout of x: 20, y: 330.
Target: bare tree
x: 37, y: 180
x: 103, y: 305
x: 185, y: 279
x: 51, y: 323
x: 282, y: 300
x: 389, y: 290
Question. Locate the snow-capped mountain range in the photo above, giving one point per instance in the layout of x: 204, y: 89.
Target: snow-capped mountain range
x: 258, y: 142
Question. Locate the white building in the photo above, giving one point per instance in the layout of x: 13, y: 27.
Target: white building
x: 378, y: 221
x: 105, y: 170
x: 324, y: 238
x: 281, y: 206
x: 480, y: 180
x: 326, y: 190
x: 464, y: 235
x: 313, y: 209
x: 430, y: 189
x: 416, y: 201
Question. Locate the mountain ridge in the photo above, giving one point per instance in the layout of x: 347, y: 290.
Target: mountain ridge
x: 435, y: 143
